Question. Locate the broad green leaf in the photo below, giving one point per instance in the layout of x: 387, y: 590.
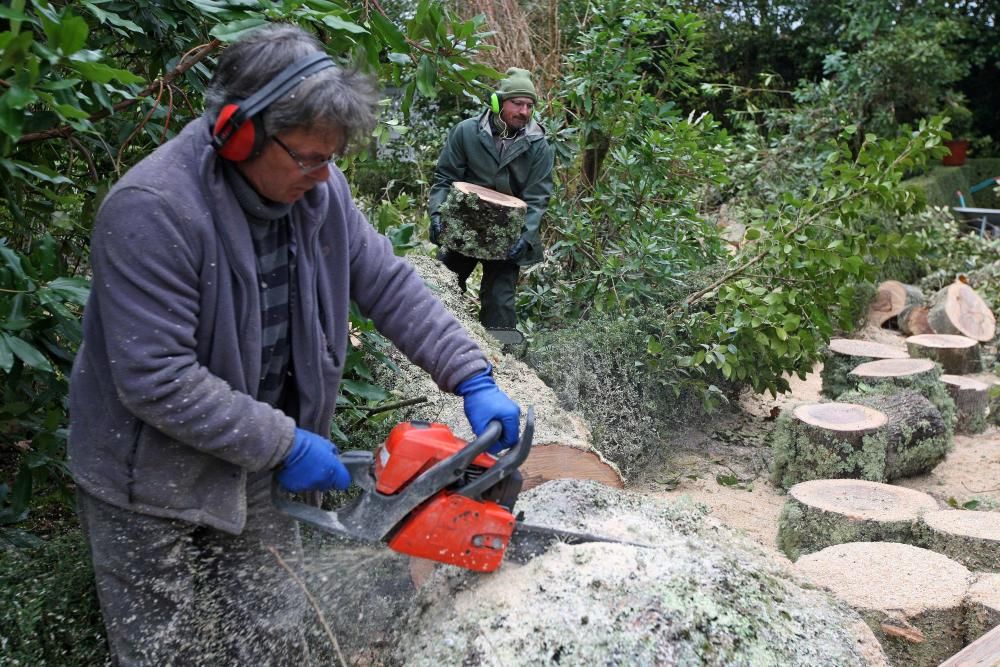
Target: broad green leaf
x: 38, y: 171
x: 364, y: 390
x: 71, y: 35
x: 389, y: 33
x: 27, y: 353
x: 228, y: 32
x: 102, y: 73
x: 6, y: 356
x: 338, y: 23
x: 427, y: 77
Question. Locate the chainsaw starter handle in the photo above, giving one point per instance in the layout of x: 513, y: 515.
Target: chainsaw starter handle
x: 507, y: 464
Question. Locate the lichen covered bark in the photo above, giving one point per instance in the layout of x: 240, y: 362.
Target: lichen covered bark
x: 802, y: 453
x: 835, y: 371
x: 970, y: 538
x: 928, y: 384
x: 917, y: 437
x: 477, y: 229
x: 982, y: 607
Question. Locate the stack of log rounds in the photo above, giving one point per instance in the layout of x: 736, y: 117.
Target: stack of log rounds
x: 971, y: 538
x: 972, y: 402
x: 891, y: 298
x: 828, y: 441
x: 982, y: 606
x: 844, y: 355
x: 922, y: 375
x: 917, y: 438
x: 957, y: 355
x: 957, y: 309
x: 824, y: 512
x: 912, y: 598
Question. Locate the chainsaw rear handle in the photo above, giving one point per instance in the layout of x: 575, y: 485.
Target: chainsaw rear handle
x: 507, y: 464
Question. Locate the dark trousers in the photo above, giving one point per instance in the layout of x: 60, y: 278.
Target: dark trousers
x: 496, y: 291
x: 174, y: 593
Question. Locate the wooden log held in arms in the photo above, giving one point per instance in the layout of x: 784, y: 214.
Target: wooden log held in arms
x: 890, y: 300
x: 957, y: 309
x: 479, y: 222
x: 957, y: 355
x: 972, y: 400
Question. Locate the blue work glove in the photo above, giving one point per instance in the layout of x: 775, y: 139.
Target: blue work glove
x: 484, y: 402
x: 435, y: 230
x: 517, y: 251
x: 313, y: 464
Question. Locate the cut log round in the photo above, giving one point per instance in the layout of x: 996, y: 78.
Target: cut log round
x: 912, y: 321
x: 971, y: 538
x: 956, y: 354
x: 957, y: 309
x: 891, y: 298
x: 479, y: 222
x: 972, y: 401
x: 824, y: 512
x: 842, y: 355
x: 911, y: 598
x: 555, y: 461
x: 828, y: 440
x: 982, y: 607
x: 893, y: 368
x: 917, y: 436
x: 922, y: 375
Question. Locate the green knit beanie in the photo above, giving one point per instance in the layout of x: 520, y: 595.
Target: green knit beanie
x: 517, y: 84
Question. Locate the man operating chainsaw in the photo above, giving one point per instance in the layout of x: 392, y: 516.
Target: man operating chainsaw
x: 214, y: 345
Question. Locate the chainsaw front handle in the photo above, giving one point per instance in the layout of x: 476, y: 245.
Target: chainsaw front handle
x: 507, y: 464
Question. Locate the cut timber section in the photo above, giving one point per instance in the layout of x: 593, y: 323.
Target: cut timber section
x: 479, y: 222
x: 555, y: 461
x: 828, y: 441
x: 957, y: 355
x: 972, y: 402
x: 824, y: 512
x: 957, y: 309
x: 891, y: 298
x: 982, y: 612
x: 911, y: 598
x: 912, y: 321
x: 844, y: 354
x: 971, y: 538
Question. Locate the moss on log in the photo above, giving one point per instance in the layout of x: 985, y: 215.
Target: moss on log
x: 828, y: 441
x: 971, y: 538
x: 911, y: 598
x: 917, y: 437
x: 479, y: 222
x: 956, y: 354
x: 972, y: 402
x: 843, y: 355
x: 918, y: 374
x: 824, y: 512
x: 982, y: 606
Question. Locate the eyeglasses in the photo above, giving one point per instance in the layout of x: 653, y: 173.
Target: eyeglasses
x: 306, y: 166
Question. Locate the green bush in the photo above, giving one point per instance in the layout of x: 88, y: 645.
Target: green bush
x: 50, y: 614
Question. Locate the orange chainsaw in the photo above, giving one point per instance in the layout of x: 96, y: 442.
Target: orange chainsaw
x: 424, y: 493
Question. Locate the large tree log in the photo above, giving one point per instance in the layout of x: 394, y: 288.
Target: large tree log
x: 701, y: 595
x: 891, y: 298
x: 916, y: 435
x: 919, y: 374
x: 957, y: 309
x: 972, y: 401
x: 556, y: 461
x: 828, y: 441
x: 843, y: 355
x: 956, y: 354
x: 982, y: 613
x: 912, y: 321
x: 911, y: 598
x: 824, y: 512
x: 971, y: 538
x: 479, y: 222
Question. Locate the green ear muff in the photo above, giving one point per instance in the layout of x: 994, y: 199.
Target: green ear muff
x: 495, y: 103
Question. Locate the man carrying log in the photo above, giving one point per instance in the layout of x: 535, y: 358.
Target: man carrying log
x: 505, y: 150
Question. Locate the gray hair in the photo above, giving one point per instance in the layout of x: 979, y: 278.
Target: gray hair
x: 333, y: 98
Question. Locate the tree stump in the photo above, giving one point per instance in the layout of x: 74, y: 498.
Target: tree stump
x: 971, y: 538
x: 828, y: 441
x: 956, y: 354
x: 824, y: 512
x: 891, y: 298
x: 919, y: 374
x: 479, y: 222
x: 982, y: 606
x: 911, y: 598
x: 916, y: 435
x: 994, y: 393
x: 972, y: 401
x: 912, y: 321
x: 957, y: 309
x: 843, y: 355
x: 555, y: 461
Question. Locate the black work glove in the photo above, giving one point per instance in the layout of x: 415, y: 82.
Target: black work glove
x: 517, y: 251
x: 435, y: 230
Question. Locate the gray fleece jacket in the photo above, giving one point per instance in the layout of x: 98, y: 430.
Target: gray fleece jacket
x: 163, y: 415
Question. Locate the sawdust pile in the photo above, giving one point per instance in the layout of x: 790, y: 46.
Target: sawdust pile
x: 701, y: 596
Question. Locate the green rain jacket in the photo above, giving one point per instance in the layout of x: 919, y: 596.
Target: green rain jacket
x: 524, y: 171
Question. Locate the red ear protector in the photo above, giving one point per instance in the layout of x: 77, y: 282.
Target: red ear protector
x: 239, y: 131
